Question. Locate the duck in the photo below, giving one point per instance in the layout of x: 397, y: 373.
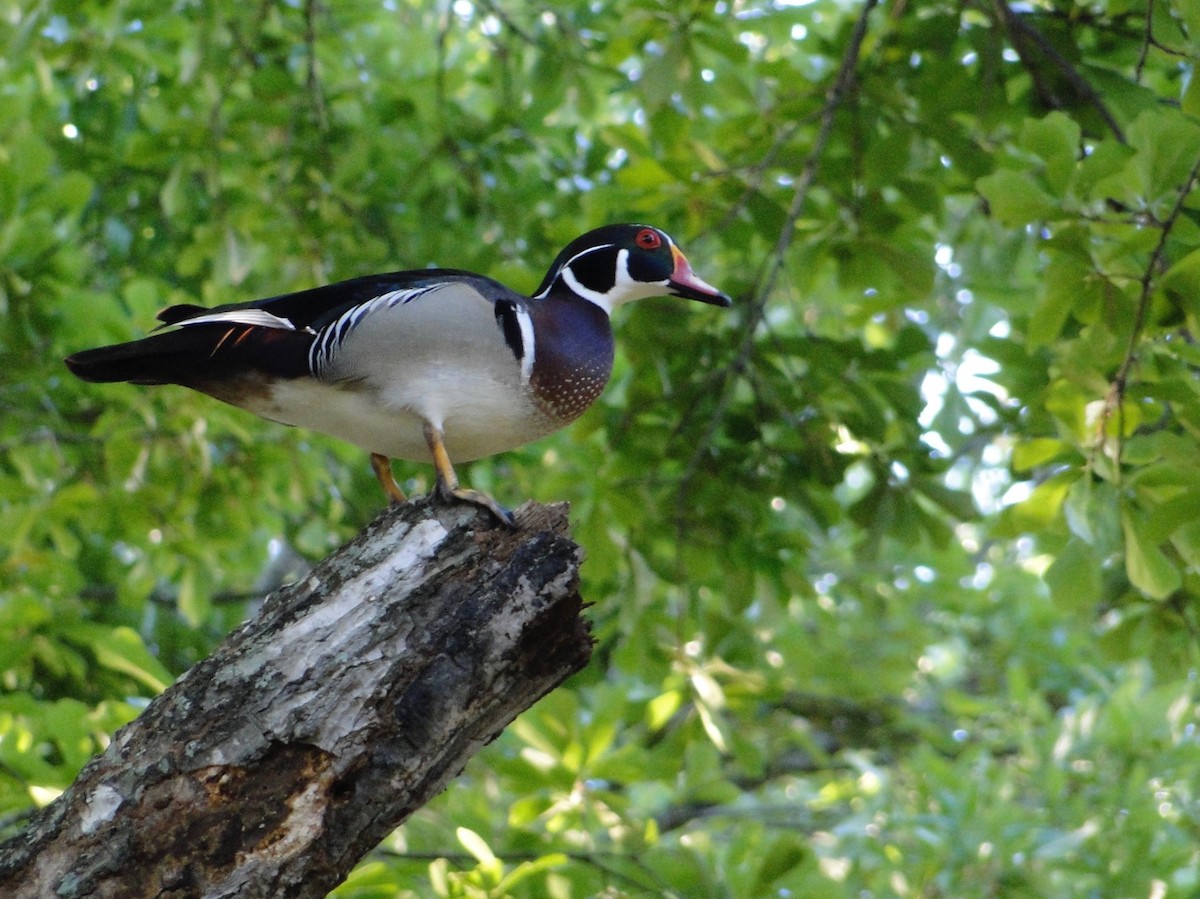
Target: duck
x: 426, y: 365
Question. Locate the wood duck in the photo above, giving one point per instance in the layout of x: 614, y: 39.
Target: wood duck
x: 424, y: 365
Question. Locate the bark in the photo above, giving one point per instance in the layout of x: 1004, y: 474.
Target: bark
x: 317, y: 727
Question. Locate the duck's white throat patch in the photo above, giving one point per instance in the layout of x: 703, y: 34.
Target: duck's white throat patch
x: 625, y: 287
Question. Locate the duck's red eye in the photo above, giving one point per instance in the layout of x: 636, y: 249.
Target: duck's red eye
x: 648, y: 239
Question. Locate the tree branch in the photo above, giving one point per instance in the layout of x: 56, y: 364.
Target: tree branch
x: 1147, y: 40
x: 769, y: 274
x: 1024, y: 38
x: 1115, y: 398
x: 317, y: 727
x: 312, y: 78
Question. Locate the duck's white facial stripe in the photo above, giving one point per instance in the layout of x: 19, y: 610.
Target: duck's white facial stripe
x: 568, y: 276
x: 603, y: 300
x: 625, y: 289
x: 629, y: 288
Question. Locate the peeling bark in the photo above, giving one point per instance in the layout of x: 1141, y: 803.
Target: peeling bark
x: 317, y: 727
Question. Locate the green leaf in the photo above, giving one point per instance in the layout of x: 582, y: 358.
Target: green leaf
x: 785, y: 853
x: 1056, y: 139
x: 1031, y: 453
x: 1065, y: 284
x: 1184, y: 276
x: 661, y: 708
x: 530, y: 869
x: 1074, y: 576
x: 1016, y: 199
x: 70, y: 192
x: 1040, y: 510
x: 1166, y: 151
x: 1148, y: 567
x: 121, y: 649
x: 476, y: 845
x: 1189, y: 102
x: 1186, y: 541
x: 192, y: 601
x: 1092, y: 516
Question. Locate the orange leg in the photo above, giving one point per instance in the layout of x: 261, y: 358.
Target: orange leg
x: 382, y: 466
x: 447, y: 480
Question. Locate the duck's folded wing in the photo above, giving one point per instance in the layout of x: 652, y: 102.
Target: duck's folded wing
x: 279, y: 337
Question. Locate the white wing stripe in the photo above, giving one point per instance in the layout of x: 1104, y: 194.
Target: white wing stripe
x: 331, y: 337
x: 259, y: 318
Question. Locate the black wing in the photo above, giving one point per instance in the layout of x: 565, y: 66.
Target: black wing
x: 271, y: 337
x: 320, y: 306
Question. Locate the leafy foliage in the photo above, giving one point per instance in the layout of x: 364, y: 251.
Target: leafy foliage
x: 895, y: 566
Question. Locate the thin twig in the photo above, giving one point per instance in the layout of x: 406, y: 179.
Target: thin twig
x: 565, y: 45
x: 47, y: 435
x: 1147, y: 41
x: 596, y: 860
x: 511, y: 25
x: 1171, y: 51
x: 757, y: 172
x: 247, y: 47
x: 311, y: 8
x: 439, y: 78
x: 100, y: 593
x: 1115, y: 397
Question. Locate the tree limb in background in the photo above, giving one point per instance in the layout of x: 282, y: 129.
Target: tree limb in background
x: 317, y: 727
x: 1115, y: 398
x: 312, y: 80
x: 769, y: 274
x: 1029, y: 43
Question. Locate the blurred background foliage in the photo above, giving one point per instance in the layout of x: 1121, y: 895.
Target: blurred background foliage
x: 895, y: 566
